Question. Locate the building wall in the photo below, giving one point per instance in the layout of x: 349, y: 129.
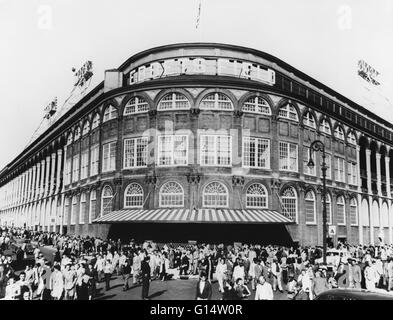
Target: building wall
x: 31, y: 190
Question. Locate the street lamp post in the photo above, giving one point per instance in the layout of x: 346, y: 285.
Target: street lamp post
x: 318, y: 145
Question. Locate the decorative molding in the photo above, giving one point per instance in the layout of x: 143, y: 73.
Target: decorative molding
x: 117, y: 181
x: 303, y: 186
x: 152, y: 113
x: 151, y: 179
x: 238, y: 113
x: 237, y: 180
x: 193, y: 178
x: 275, y: 184
x: 195, y: 111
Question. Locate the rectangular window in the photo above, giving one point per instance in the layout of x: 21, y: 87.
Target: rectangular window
x: 94, y: 159
x: 73, y: 211
x: 340, y: 214
x: 68, y: 171
x: 256, y: 152
x: 75, y: 168
x: 109, y: 157
x: 172, y: 150
x: 85, y: 164
x: 288, y: 156
x: 353, y: 215
x: 309, y: 207
x: 216, y: 150
x: 93, y: 204
x: 339, y: 171
x: 352, y: 173
x: 135, y: 152
x: 82, y: 211
x: 306, y: 157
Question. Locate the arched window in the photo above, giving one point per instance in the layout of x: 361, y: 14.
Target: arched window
x: 69, y: 138
x: 375, y: 214
x: 339, y: 133
x: 110, y: 113
x: 351, y: 138
x: 288, y: 112
x: 256, y: 196
x: 106, y: 200
x: 328, y: 209
x: 215, y: 195
x: 340, y: 210
x: 173, y: 101
x: 353, y: 212
x: 77, y: 133
x: 86, y: 128
x: 96, y: 121
x: 93, y: 204
x: 308, y: 120
x: 309, y: 199
x: 384, y: 215
x: 171, y: 195
x: 133, y: 196
x: 216, y: 101
x: 324, y: 127
x: 66, y: 211
x: 82, y: 209
x: 136, y: 105
x: 289, y: 202
x: 73, y: 209
x: 257, y: 105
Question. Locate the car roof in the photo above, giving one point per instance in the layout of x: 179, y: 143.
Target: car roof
x: 360, y: 294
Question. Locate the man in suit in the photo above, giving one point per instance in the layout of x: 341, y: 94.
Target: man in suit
x: 204, y: 288
x: 145, y: 269
x: 355, y: 274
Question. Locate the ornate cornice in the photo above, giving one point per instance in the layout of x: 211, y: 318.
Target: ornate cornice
x: 118, y: 181
x: 152, y: 113
x: 275, y: 184
x: 237, y: 180
x: 195, y: 111
x: 193, y: 178
x: 151, y: 179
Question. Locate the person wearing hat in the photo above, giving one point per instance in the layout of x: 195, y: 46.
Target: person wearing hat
x: 69, y: 282
x: 145, y: 273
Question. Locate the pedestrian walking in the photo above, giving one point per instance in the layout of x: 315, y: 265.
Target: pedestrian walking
x: 145, y: 270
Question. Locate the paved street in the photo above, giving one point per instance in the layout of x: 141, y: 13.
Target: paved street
x: 168, y: 290
x: 175, y: 289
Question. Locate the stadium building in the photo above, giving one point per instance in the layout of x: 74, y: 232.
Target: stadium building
x: 206, y: 142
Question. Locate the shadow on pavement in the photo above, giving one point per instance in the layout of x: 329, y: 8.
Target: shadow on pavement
x: 106, y: 297
x: 157, y: 294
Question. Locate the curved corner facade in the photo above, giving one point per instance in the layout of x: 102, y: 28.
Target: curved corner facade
x: 209, y: 128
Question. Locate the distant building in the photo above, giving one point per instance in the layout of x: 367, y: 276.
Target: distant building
x: 202, y: 141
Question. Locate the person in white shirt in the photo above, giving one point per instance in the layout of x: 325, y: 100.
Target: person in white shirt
x: 369, y: 275
x: 221, y: 270
x: 238, y: 271
x: 12, y: 291
x: 264, y: 290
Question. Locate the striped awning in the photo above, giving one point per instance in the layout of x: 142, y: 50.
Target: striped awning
x: 194, y: 216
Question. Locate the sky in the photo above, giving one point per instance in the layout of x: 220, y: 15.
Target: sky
x: 41, y: 41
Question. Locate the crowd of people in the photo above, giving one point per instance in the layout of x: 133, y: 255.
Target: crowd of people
x: 79, y: 264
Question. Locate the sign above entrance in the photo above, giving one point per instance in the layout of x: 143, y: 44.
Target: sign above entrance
x: 203, y: 66
x: 332, y: 231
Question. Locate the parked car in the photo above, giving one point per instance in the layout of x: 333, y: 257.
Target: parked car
x: 353, y: 294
